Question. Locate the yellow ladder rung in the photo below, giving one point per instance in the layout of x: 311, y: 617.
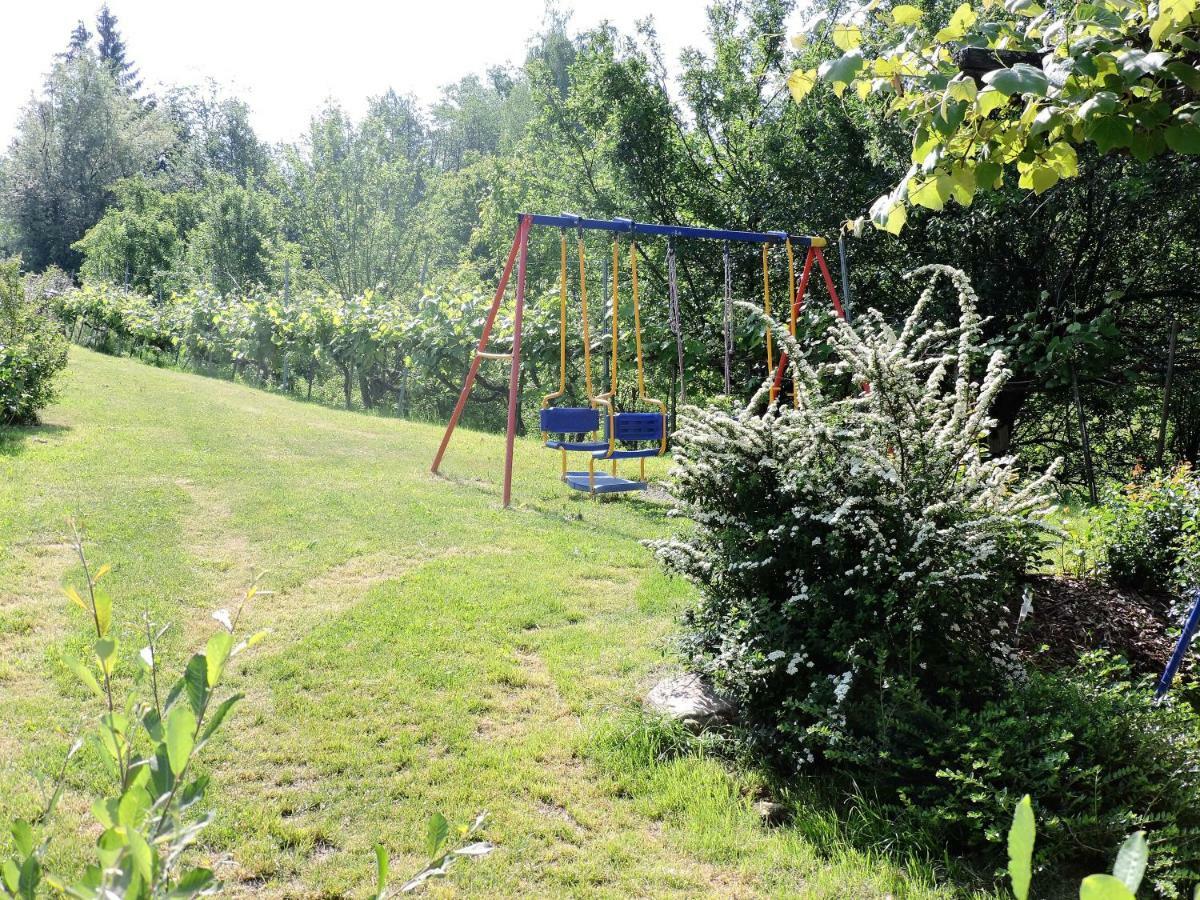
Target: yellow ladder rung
x: 485, y: 355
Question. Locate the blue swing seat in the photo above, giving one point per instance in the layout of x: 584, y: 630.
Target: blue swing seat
x: 572, y: 420
x: 635, y: 428
x: 604, y: 484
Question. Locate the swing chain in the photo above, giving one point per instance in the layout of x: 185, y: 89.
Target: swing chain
x: 676, y: 319
x: 727, y: 323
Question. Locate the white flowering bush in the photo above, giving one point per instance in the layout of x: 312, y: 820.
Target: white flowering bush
x: 855, y: 546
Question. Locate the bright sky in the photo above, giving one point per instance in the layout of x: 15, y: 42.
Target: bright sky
x: 285, y: 58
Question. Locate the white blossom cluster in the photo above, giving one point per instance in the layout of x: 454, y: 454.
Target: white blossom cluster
x: 855, y: 532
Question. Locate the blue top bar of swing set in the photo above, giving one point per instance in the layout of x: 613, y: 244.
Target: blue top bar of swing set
x: 628, y: 226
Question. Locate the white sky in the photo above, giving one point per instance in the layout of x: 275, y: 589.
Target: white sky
x: 285, y: 58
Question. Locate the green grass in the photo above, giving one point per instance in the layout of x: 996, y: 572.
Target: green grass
x: 429, y: 651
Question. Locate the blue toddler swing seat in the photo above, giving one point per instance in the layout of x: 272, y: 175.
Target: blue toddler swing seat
x: 562, y: 426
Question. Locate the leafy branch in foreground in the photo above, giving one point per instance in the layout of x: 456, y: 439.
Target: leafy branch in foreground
x: 148, y: 745
x: 441, y: 850
x: 1122, y: 884
x: 1016, y: 82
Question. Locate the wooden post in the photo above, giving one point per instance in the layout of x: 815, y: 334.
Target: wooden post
x: 469, y: 381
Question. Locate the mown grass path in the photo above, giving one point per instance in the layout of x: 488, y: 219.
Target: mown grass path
x: 430, y: 651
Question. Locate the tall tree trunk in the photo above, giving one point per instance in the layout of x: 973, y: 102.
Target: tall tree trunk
x: 364, y: 388
x: 1089, y: 473
x: 348, y: 384
x: 1005, y: 410
x: 1166, y: 401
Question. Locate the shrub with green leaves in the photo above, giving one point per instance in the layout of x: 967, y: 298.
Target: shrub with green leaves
x: 857, y: 546
x: 148, y: 743
x: 1101, y: 757
x: 33, y: 350
x: 1153, y: 539
x: 859, y: 560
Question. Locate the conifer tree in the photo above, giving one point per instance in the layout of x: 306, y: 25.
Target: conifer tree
x: 113, y: 52
x: 80, y: 42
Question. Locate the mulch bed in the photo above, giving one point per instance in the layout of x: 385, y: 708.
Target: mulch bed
x: 1072, y: 616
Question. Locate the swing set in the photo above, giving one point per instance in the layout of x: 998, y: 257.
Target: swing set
x: 599, y: 429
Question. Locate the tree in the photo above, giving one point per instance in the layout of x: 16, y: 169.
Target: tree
x: 351, y: 197
x: 111, y: 47
x: 81, y: 41
x: 141, y: 239
x: 73, y: 144
x: 233, y: 244
x: 214, y: 137
x: 1018, y: 84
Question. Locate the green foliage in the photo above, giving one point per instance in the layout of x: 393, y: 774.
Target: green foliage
x: 858, y: 550
x: 1152, y: 539
x: 32, y: 349
x: 72, y: 145
x: 147, y: 744
x: 1120, y: 76
x: 1123, y: 884
x: 859, y: 561
x: 1099, y: 754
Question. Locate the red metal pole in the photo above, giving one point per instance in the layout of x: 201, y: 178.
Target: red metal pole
x: 813, y: 253
x: 514, y: 376
x: 469, y: 382
x: 833, y: 294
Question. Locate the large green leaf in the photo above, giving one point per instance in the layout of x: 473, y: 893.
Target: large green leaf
x: 1020, y: 848
x: 181, y: 732
x: 1131, y: 861
x: 215, y: 655
x: 1022, y: 78
x: 436, y: 834
x: 1110, y: 132
x: 1184, y: 138
x: 843, y: 69
x: 1104, y: 887
x: 195, y: 682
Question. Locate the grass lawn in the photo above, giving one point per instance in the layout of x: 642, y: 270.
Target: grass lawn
x: 430, y: 650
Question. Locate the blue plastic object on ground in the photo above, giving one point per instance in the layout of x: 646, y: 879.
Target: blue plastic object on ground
x: 1181, y: 647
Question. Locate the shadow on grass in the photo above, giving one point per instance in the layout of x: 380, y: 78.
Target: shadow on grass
x: 14, y: 439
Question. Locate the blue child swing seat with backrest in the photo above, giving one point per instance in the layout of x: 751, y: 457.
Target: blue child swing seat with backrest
x: 625, y: 434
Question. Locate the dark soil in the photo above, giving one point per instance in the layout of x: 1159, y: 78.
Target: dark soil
x: 1072, y: 616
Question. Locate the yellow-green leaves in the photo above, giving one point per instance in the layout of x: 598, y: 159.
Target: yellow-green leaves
x: 1104, y: 887
x: 181, y: 735
x: 1020, y: 848
x: 1172, y: 14
x: 215, y: 655
x: 106, y: 655
x: 801, y: 82
x: 904, y: 14
x: 73, y: 596
x: 989, y: 100
x: 961, y: 87
x: 104, y: 607
x: 1044, y: 171
x: 888, y: 214
x: 841, y: 71
x: 84, y: 674
x: 846, y: 37
x: 964, y: 17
